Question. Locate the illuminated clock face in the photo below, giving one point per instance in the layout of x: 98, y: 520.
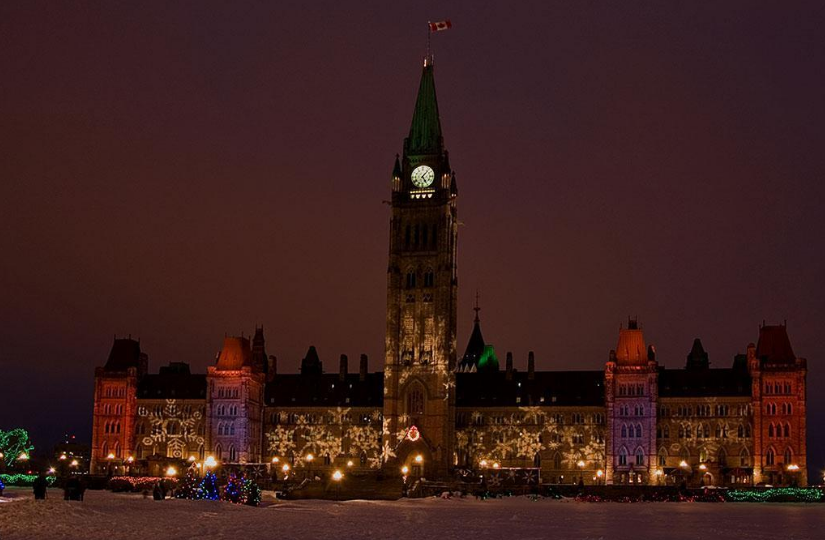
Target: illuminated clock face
x: 422, y: 176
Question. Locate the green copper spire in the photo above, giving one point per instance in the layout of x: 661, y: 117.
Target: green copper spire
x: 425, y: 131
x: 488, y: 360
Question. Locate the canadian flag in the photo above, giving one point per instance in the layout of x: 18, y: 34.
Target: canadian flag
x: 440, y: 25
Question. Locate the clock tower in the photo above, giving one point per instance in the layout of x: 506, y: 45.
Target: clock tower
x: 422, y: 285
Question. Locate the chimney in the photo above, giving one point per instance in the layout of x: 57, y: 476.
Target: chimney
x: 531, y: 366
x: 272, y: 368
x: 342, y: 375
x: 509, y: 367
x: 362, y: 372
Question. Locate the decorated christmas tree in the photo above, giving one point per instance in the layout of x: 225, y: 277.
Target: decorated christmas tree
x: 233, y: 492
x: 189, y: 487
x: 251, y: 493
x: 208, y: 488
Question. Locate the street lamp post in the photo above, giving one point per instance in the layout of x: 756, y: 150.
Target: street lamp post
x: 309, y: 459
x: 336, y: 477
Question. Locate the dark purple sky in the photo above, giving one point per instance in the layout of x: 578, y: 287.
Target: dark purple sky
x: 180, y: 171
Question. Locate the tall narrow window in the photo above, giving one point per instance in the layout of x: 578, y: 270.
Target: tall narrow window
x: 770, y: 457
x: 622, y: 456
x: 415, y: 400
x: 410, y: 279
x: 640, y: 457
x: 788, y: 456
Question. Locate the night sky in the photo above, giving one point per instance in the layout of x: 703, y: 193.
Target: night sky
x: 178, y: 171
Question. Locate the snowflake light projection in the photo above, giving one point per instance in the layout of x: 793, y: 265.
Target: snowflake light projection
x: 337, y: 436
x: 174, y: 426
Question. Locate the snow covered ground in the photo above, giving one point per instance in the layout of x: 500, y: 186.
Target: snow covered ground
x: 108, y: 516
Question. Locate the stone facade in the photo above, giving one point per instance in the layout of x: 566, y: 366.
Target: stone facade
x: 632, y: 422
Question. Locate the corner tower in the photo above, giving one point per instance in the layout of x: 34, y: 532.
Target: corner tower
x: 420, y: 345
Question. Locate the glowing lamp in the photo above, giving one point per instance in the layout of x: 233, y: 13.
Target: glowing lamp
x: 581, y: 464
x: 419, y: 458
x: 2, y: 455
x: 405, y: 470
x: 285, y: 468
x: 659, y: 472
x: 74, y: 463
x: 171, y: 471
x: 483, y: 463
x: 703, y: 467
x: 683, y: 464
x: 349, y: 463
x: 495, y: 465
x: 110, y: 457
x: 130, y: 459
x: 61, y: 458
x: 276, y: 459
x: 337, y: 475
x: 51, y: 470
x: 191, y: 459
x: 309, y: 457
x: 23, y: 456
x: 600, y: 473
x: 210, y: 462
x: 793, y: 467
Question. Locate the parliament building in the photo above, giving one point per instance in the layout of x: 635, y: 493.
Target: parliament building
x: 630, y: 421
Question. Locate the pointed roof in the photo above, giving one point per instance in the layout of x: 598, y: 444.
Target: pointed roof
x: 125, y: 354
x: 425, y: 130
x: 774, y: 345
x: 631, y: 349
x: 235, y: 354
x: 311, y: 364
x: 488, y: 361
x: 698, y: 357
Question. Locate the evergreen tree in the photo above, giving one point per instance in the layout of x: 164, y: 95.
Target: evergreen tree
x: 189, y: 487
x: 208, y: 488
x: 234, y: 490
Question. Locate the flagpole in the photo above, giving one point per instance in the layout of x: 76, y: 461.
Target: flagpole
x: 429, y: 58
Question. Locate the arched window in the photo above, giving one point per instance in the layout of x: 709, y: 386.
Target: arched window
x: 104, y: 450
x: 790, y: 408
x: 415, y: 400
x: 116, y: 449
x: 662, y: 457
x: 172, y: 428
x: 770, y: 457
x: 771, y: 431
x: 200, y: 452
x: 622, y: 456
x: 410, y: 279
x: 788, y: 456
x: 557, y: 461
x: 638, y: 431
x: 624, y: 431
x: 219, y: 451
x: 744, y: 458
x: 429, y: 278
x: 640, y: 457
x: 232, y: 455
x: 232, y: 428
x: 537, y: 460
x: 723, y: 458
x: 787, y: 431
x: 667, y: 432
x: 139, y: 451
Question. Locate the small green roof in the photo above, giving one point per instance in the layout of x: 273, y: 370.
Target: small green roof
x: 425, y: 131
x: 488, y: 360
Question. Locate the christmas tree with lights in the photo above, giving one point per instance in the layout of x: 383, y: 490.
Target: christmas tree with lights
x: 189, y: 487
x: 208, y: 488
x: 233, y: 492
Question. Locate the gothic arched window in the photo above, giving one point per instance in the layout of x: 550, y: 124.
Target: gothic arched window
x: 622, y: 456
x: 788, y: 456
x: 640, y: 457
x: 557, y: 461
x: 770, y: 457
x: 415, y: 400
